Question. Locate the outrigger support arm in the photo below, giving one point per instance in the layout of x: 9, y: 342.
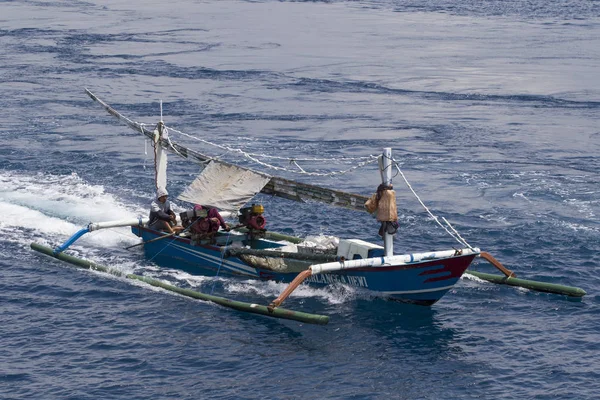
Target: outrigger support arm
x: 291, y: 287
x: 94, y: 226
x: 71, y: 240
x: 489, y: 258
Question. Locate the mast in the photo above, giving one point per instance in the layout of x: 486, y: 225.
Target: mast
x: 160, y: 134
x: 385, y: 168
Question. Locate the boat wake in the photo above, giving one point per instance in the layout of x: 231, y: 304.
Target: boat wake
x: 50, y: 208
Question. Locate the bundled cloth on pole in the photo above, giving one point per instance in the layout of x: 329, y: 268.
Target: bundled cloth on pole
x: 224, y: 186
x: 384, y: 202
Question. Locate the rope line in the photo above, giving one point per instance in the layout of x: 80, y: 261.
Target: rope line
x: 262, y: 155
x: 221, y: 263
x: 457, y: 234
x: 161, y: 250
x: 454, y: 234
x: 174, y: 238
x: 256, y: 158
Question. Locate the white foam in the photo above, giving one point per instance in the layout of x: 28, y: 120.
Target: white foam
x: 271, y: 290
x: 194, y: 281
x: 577, y: 227
x: 67, y: 197
x: 55, y: 207
x: 521, y: 195
x: 582, y: 207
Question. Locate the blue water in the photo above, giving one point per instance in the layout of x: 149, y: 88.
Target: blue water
x: 492, y: 109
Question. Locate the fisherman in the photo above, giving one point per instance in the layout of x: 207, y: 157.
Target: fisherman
x: 212, y: 213
x: 162, y: 218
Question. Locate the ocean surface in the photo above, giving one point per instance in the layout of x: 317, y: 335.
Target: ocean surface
x: 492, y: 109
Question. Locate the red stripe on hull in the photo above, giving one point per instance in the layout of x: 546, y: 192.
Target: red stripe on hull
x: 453, y: 267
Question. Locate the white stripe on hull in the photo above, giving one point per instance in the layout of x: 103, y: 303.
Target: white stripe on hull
x: 419, y: 291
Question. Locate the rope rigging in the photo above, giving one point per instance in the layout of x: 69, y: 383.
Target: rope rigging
x: 256, y: 158
x: 449, y: 229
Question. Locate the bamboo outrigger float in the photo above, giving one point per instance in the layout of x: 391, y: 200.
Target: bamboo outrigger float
x: 252, y: 251
x: 237, y: 305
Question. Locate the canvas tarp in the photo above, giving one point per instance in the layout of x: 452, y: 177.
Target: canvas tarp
x: 225, y: 187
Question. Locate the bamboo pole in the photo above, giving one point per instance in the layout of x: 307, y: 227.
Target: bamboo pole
x: 237, y: 305
x: 152, y: 240
x: 321, y: 258
x: 532, y: 285
x: 276, y: 236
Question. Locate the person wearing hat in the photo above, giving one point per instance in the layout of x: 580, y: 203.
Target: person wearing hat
x: 162, y: 218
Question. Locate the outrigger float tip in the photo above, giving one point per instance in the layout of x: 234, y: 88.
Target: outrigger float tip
x: 529, y: 284
x: 510, y: 278
x: 237, y: 305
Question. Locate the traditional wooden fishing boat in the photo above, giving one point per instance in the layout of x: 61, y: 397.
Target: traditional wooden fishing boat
x: 252, y: 251
x: 421, y: 278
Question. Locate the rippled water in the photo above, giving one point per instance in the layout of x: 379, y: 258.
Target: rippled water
x: 491, y: 108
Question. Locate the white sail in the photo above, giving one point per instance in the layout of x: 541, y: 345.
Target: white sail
x: 225, y: 187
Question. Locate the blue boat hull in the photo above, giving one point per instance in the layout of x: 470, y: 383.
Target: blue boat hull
x: 423, y: 282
